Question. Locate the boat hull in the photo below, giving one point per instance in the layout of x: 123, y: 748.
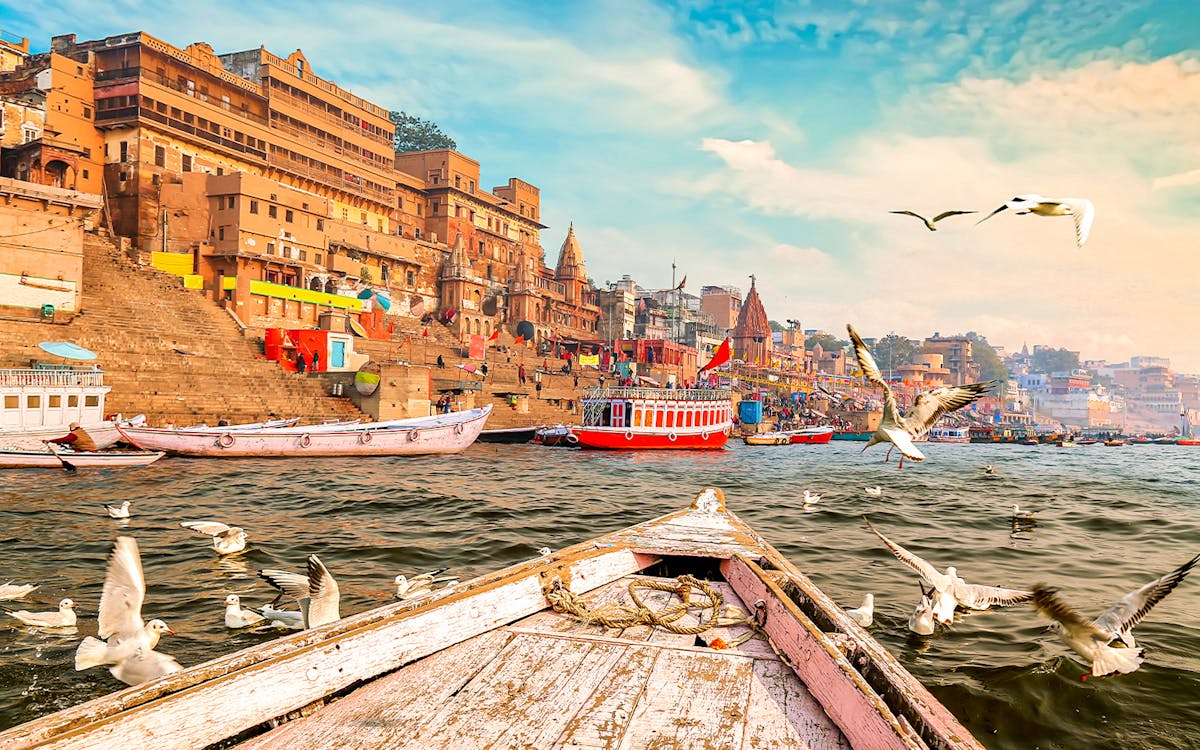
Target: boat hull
x: 90, y: 460
x: 768, y: 438
x: 863, y: 436
x: 104, y: 434
x: 813, y: 436
x: 511, y: 436
x: 449, y: 433
x: 1188, y: 441
x: 615, y: 438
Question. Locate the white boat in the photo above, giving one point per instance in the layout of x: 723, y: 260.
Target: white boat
x: 950, y: 435
x: 268, y: 425
x: 76, y: 459
x: 444, y: 433
x: 41, y: 403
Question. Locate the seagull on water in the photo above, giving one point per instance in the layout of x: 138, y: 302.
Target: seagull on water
x: 1031, y: 203
x: 118, y: 511
x: 1107, y: 641
x: 1021, y: 514
x: 921, y: 620
x: 948, y: 589
x: 63, y: 618
x: 128, y: 650
x: 873, y: 491
x: 811, y: 498
x: 226, y: 540
x: 863, y: 614
x: 10, y: 590
x: 420, y: 585
x: 989, y: 470
x: 899, y: 430
x: 930, y: 223
x: 316, y: 593
x: 237, y: 617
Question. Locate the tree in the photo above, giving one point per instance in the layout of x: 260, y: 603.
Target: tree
x: 1049, y: 360
x: 991, y: 367
x: 776, y: 325
x: 827, y: 342
x: 892, y: 351
x: 416, y: 134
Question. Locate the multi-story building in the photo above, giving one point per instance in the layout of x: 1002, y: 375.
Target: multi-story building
x: 956, y: 354
x: 723, y: 303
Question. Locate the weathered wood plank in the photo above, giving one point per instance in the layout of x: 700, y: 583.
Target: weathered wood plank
x: 695, y: 700
x: 550, y: 621
x: 524, y: 698
x: 784, y: 714
x: 861, y: 714
x: 375, y: 715
x: 245, y: 689
x: 605, y: 715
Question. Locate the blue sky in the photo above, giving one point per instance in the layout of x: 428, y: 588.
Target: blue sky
x: 774, y: 138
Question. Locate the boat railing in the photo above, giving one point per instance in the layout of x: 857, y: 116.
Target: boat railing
x: 46, y: 377
x: 658, y: 394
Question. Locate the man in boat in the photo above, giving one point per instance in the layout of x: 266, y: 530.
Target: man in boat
x: 77, y: 438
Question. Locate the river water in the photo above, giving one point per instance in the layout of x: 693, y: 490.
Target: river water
x: 1109, y: 520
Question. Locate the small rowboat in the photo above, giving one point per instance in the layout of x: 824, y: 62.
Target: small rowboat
x: 511, y: 659
x: 811, y: 436
x: 768, y: 438
x: 559, y: 436
x: 1113, y: 443
x: 76, y: 460
x: 444, y: 433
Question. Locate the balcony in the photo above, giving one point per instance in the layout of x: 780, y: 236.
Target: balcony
x: 117, y: 74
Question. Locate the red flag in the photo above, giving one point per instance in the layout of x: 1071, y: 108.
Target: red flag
x: 407, y: 340
x: 425, y: 332
x: 720, y: 356
x: 519, y: 340
x: 682, y: 282
x: 495, y: 335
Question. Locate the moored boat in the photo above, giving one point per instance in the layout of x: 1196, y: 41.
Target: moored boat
x: 950, y: 435
x: 513, y: 435
x: 1112, y: 443
x: 851, y: 435
x: 76, y: 459
x: 444, y: 433
x: 558, y: 436
x: 624, y: 418
x: 768, y: 438
x: 267, y: 425
x: 46, y: 402
x: 515, y: 658
x: 810, y: 436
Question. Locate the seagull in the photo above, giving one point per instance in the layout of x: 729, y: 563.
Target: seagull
x: 129, y: 651
x: 948, y: 589
x: 236, y: 617
x: 863, y: 614
x: 226, y: 540
x: 921, y: 620
x: 929, y: 223
x: 545, y: 551
x: 63, y: 618
x: 1080, y: 208
x: 989, y: 470
x: 1107, y: 642
x: 283, y: 618
x: 873, y: 491
x: 1020, y: 514
x: 10, y: 590
x: 899, y: 430
x: 419, y: 585
x: 810, y: 498
x: 316, y: 593
x: 118, y: 511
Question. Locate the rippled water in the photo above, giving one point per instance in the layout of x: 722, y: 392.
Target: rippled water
x: 1109, y: 520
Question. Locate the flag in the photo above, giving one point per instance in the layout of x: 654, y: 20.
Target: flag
x: 407, y: 341
x: 425, y: 332
x: 682, y: 283
x: 519, y: 340
x: 495, y: 335
x: 720, y: 356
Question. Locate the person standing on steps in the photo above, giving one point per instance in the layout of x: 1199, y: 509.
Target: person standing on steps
x: 441, y: 362
x: 521, y: 373
x: 316, y: 360
x: 300, y: 364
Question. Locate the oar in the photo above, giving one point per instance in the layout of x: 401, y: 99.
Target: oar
x: 66, y: 464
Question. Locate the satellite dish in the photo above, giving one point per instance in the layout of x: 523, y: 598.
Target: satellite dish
x: 490, y: 305
x: 525, y: 328
x: 366, y: 380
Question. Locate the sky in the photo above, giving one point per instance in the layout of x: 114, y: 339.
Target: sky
x: 774, y: 139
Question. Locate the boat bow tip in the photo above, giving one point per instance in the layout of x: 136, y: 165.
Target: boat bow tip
x: 710, y: 500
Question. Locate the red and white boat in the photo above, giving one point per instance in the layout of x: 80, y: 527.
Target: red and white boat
x: 811, y: 435
x: 655, y: 418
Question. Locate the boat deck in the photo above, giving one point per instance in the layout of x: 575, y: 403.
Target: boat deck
x: 551, y: 681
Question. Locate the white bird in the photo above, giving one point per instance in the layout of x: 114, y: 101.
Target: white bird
x: 864, y: 614
x: 948, y: 589
x: 226, y: 540
x: 989, y: 470
x: 873, y: 491
x: 899, y: 430
x: 1031, y: 203
x: 419, y: 585
x: 10, y: 590
x: 283, y: 618
x: 930, y: 223
x: 1020, y: 514
x: 118, y: 511
x: 1107, y: 641
x: 921, y: 621
x: 63, y: 618
x: 544, y: 551
x: 811, y: 498
x: 129, y: 650
x: 236, y: 617
x: 316, y: 593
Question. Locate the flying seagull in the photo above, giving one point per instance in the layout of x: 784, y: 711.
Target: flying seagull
x: 948, y: 589
x: 1031, y: 203
x: 226, y: 540
x: 927, y: 408
x: 128, y: 648
x: 316, y: 593
x: 930, y: 223
x: 1107, y: 642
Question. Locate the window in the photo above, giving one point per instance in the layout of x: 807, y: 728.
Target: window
x: 270, y: 248
x: 303, y: 255
x: 233, y: 201
x: 416, y: 233
x: 345, y: 214
x: 320, y: 225
x: 29, y: 134
x: 55, y: 402
x: 273, y: 211
x: 72, y: 402
x: 419, y: 207
x: 472, y: 185
x: 288, y: 216
x: 220, y: 233
x: 12, y: 402
x: 362, y: 216
x: 434, y: 210
x: 317, y: 258
x: 457, y: 181
x: 253, y: 206
x: 33, y: 402
x: 220, y: 171
x: 91, y: 401
x: 187, y: 163
x: 87, y: 111
x: 481, y: 246
x: 411, y: 278
x: 85, y: 174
